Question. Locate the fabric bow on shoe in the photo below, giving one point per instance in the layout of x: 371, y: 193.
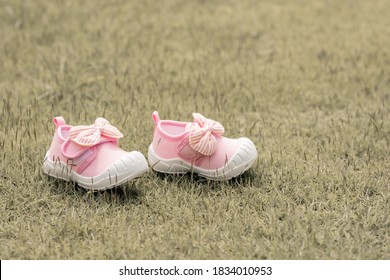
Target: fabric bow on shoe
x: 202, y: 137
x: 91, y: 135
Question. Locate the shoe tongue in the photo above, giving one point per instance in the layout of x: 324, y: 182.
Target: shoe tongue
x: 189, y: 126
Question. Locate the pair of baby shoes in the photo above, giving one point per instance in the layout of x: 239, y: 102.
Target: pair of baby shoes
x: 90, y: 155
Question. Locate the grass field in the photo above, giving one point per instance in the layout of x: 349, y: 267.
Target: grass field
x: 307, y: 81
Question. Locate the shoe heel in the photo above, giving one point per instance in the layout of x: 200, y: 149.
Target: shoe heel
x: 171, y: 166
x: 56, y: 169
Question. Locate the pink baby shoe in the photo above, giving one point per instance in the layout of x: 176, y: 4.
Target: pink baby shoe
x: 90, y: 156
x: 179, y: 147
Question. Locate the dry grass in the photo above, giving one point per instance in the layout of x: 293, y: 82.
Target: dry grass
x: 308, y: 81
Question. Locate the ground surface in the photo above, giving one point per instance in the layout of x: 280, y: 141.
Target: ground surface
x: 307, y: 81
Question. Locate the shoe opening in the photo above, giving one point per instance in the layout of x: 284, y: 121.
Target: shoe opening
x: 173, y: 129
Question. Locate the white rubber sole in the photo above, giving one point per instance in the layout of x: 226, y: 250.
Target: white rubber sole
x: 129, y: 167
x: 244, y: 158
